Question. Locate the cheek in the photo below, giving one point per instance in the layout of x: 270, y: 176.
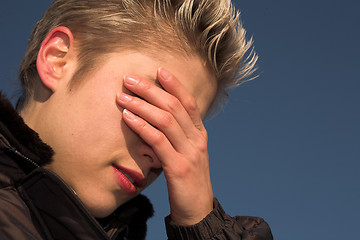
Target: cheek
x: 93, y: 121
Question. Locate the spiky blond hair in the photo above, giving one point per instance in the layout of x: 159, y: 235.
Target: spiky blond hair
x: 208, y: 28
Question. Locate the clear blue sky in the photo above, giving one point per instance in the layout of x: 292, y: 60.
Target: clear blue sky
x: 287, y: 146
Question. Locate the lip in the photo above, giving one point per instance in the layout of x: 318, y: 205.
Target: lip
x: 125, y: 183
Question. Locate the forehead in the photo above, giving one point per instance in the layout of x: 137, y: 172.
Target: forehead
x: 191, y: 71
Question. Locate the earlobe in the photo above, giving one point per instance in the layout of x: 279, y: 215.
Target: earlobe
x: 54, y: 56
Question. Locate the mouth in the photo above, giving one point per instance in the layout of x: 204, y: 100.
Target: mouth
x: 135, y: 178
x: 126, y: 175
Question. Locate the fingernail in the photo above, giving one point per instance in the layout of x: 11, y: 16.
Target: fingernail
x: 129, y: 115
x: 130, y: 80
x: 164, y: 74
x: 124, y: 97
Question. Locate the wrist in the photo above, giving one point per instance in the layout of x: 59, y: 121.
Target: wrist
x: 193, y: 217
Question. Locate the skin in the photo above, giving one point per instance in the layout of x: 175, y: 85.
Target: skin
x: 121, y: 116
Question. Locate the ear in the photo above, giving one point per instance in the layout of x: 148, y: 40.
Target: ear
x: 54, y: 57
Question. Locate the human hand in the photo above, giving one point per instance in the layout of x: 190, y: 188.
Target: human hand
x: 169, y: 121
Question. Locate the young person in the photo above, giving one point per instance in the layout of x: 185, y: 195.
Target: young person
x: 114, y: 94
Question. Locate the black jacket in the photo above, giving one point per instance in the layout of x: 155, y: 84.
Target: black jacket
x: 35, y: 203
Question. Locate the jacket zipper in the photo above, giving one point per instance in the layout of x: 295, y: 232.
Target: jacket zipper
x: 5, y: 143
x: 16, y: 152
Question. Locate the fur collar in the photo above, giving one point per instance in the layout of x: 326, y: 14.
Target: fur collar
x: 21, y: 134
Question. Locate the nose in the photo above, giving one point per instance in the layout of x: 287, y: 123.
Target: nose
x: 148, y: 155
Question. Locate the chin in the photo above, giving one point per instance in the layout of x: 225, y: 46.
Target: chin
x: 102, y: 208
x: 102, y: 212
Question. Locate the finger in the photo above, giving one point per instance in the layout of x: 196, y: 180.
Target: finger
x: 153, y: 137
x: 160, y: 119
x: 173, y: 86
x: 147, y: 90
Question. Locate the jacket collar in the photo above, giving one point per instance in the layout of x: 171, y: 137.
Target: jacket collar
x: 20, y: 136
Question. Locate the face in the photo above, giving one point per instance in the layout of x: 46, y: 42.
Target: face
x: 89, y: 136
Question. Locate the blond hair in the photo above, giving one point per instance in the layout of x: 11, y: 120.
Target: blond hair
x: 209, y: 28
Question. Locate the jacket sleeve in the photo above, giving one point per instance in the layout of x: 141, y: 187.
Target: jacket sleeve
x: 217, y: 225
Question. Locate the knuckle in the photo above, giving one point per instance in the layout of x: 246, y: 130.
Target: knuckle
x: 201, y: 142
x: 145, y: 85
x: 158, y: 138
x: 202, y: 145
x: 165, y: 120
x: 142, y: 126
x: 190, y: 104
x: 195, y: 157
x: 174, y: 105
